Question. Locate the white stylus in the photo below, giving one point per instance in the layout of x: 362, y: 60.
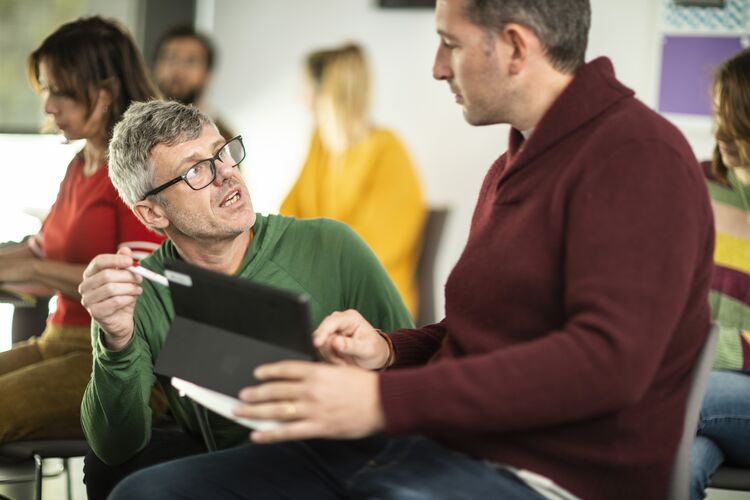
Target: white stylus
x: 149, y: 275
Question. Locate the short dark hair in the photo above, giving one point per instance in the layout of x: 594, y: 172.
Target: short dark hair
x: 188, y: 32
x: 90, y: 53
x: 562, y: 26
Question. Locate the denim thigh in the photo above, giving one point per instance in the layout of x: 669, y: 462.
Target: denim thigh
x: 373, y: 468
x: 725, y: 415
x: 417, y: 468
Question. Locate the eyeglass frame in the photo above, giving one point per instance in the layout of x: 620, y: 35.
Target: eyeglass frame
x: 211, y: 162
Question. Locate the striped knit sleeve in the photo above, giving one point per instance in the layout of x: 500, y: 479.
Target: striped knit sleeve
x: 733, y: 349
x: 730, y: 286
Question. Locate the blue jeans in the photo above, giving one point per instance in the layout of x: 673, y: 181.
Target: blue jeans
x: 723, y: 429
x: 411, y: 468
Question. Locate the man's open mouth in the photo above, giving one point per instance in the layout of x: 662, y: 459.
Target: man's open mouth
x: 231, y: 199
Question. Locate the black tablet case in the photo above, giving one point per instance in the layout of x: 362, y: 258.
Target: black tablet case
x: 224, y: 327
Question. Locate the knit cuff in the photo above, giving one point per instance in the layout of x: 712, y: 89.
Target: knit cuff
x: 408, y: 349
x: 411, y: 398
x: 729, y: 351
x: 391, y: 351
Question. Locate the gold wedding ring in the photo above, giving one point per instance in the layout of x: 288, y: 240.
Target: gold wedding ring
x: 290, y: 410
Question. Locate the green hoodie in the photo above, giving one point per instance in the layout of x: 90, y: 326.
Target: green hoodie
x: 323, y: 258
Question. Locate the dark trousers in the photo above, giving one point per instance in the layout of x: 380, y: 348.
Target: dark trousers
x: 375, y: 468
x: 165, y: 445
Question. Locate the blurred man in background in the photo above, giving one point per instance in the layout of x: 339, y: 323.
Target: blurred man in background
x: 182, y: 69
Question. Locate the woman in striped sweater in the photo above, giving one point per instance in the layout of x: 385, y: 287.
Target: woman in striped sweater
x: 724, y: 424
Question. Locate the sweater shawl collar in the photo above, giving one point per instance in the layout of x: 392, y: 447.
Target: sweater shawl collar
x: 593, y: 91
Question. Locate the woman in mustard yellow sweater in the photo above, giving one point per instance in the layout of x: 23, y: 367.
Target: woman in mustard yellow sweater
x: 357, y: 173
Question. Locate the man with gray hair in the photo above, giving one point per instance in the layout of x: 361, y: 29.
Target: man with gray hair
x: 178, y: 174
x: 574, y: 315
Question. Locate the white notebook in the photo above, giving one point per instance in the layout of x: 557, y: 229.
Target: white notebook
x: 220, y: 403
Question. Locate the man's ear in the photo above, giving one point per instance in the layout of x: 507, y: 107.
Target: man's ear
x: 520, y: 39
x: 151, y: 214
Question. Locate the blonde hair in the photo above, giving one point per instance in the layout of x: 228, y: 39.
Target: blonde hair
x: 341, y: 93
x: 731, y: 96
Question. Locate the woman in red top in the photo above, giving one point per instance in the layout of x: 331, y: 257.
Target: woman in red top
x: 88, y: 72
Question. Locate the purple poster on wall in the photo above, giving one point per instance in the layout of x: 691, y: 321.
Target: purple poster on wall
x: 687, y: 67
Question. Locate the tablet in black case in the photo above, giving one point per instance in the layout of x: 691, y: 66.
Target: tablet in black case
x: 224, y: 327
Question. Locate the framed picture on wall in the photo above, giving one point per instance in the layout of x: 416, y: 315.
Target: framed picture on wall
x: 700, y: 3
x: 406, y: 3
x: 687, y: 69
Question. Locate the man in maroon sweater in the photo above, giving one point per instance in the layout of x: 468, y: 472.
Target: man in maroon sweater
x: 573, y: 317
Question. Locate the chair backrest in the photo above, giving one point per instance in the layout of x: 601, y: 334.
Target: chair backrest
x: 431, y: 236
x: 680, y: 481
x: 29, y: 320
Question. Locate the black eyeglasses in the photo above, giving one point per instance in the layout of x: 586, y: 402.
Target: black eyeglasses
x: 203, y: 173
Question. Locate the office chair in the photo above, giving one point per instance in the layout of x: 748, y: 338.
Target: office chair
x: 432, y: 234
x: 39, y: 449
x: 679, y: 486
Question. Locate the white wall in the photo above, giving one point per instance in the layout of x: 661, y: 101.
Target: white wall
x: 256, y: 88
x: 34, y: 166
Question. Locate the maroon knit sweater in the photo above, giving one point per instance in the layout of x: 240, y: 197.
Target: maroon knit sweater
x: 579, y: 304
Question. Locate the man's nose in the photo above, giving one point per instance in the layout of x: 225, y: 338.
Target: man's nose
x: 440, y: 68
x: 223, y: 170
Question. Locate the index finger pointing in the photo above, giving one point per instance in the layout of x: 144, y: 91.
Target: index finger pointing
x: 342, y: 323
